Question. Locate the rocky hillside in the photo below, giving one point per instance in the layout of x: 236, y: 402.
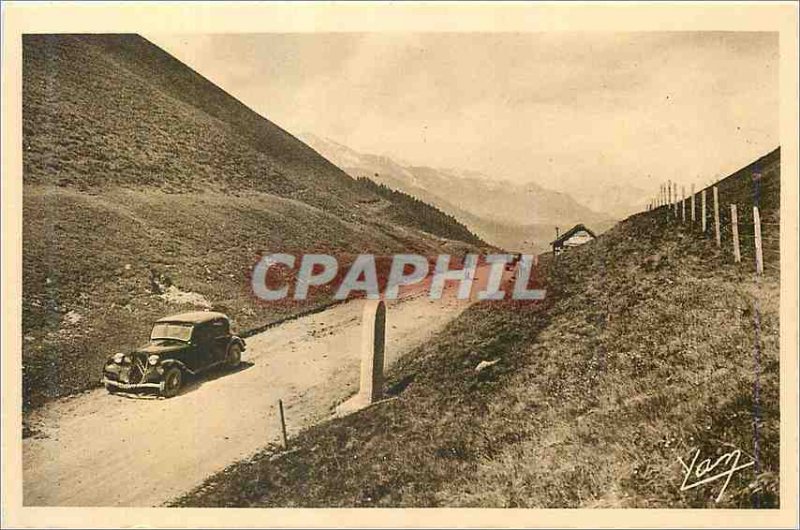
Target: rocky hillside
x: 149, y: 190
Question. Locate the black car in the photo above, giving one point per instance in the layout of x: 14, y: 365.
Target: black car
x: 188, y: 343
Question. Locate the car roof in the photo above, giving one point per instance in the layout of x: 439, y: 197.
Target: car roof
x: 193, y: 317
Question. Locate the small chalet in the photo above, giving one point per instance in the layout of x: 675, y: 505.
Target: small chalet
x: 577, y: 235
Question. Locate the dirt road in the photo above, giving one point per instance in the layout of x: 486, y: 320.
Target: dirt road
x: 97, y: 449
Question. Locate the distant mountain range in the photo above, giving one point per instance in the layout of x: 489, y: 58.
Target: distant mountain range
x: 520, y: 217
x: 618, y: 201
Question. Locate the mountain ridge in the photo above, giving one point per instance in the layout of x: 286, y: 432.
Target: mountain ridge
x: 515, y: 216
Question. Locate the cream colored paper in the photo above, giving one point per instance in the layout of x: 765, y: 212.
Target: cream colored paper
x: 141, y: 17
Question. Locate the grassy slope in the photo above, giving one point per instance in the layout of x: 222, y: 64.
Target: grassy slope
x: 642, y: 353
x: 102, y: 110
x: 135, y: 169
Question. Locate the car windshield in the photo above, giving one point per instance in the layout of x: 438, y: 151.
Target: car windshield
x: 171, y: 330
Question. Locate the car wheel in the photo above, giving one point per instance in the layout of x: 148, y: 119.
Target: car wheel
x: 173, y: 378
x: 112, y: 389
x: 234, y: 355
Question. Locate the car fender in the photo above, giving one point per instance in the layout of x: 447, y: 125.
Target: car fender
x: 237, y: 340
x: 168, y: 363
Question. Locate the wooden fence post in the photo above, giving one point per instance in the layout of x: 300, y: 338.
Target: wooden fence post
x: 737, y: 255
x: 666, y: 198
x: 757, y: 232
x: 283, y: 424
x: 694, y: 214
x: 716, y: 216
x: 703, y: 210
x: 675, y: 199
x: 683, y: 204
x: 669, y: 192
x: 671, y: 200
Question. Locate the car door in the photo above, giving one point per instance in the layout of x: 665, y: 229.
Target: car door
x: 201, y: 340
x: 219, y: 338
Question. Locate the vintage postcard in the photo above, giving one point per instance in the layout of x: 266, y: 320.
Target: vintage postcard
x: 331, y: 264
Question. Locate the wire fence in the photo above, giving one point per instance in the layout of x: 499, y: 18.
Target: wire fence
x: 756, y: 187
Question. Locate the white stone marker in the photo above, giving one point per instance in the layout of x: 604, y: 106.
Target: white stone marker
x: 694, y: 215
x: 373, y: 344
x: 737, y: 255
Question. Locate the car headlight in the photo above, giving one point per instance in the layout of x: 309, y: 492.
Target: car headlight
x: 152, y: 360
x: 119, y: 357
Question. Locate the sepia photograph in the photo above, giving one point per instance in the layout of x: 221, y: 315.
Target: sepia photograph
x: 325, y: 258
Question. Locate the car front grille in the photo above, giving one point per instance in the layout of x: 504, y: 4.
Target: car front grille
x: 133, y: 370
x: 136, y: 371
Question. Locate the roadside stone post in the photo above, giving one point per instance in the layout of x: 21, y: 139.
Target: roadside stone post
x: 373, y: 344
x: 694, y: 211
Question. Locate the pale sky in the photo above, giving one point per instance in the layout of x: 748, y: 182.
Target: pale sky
x: 559, y: 109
